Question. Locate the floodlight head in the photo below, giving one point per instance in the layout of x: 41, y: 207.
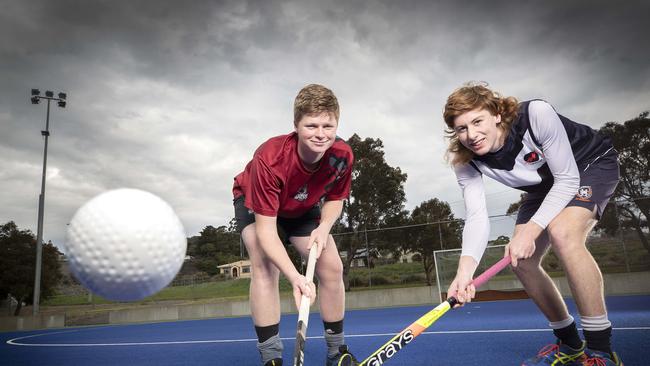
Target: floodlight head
x: 62, y: 96
x: 35, y: 100
x: 61, y: 103
x: 49, y: 94
x: 36, y: 92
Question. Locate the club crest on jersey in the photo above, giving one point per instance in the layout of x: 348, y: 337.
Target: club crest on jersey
x: 584, y: 193
x: 531, y: 157
x: 302, y: 194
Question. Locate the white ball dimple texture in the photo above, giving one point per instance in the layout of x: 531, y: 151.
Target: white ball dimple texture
x: 125, y: 244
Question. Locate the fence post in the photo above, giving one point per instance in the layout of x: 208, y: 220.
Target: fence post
x: 365, y: 231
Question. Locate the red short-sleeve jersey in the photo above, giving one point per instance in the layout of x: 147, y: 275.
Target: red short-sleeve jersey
x: 276, y: 183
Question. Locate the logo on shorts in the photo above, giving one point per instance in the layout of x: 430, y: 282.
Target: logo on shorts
x: 531, y: 157
x: 584, y: 193
x: 302, y: 194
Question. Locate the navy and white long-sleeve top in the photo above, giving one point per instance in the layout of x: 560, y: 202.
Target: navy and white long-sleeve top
x: 543, y: 152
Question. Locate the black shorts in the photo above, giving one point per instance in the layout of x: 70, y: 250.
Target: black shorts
x: 598, y: 182
x: 299, y: 226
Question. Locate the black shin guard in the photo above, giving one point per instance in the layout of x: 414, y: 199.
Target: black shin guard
x: 264, y: 333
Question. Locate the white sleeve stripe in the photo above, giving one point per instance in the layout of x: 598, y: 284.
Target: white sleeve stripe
x: 597, y: 157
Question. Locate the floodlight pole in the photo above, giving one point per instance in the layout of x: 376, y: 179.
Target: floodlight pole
x: 41, y: 198
x: 41, y: 204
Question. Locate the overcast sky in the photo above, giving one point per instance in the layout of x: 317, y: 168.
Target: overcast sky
x: 174, y: 96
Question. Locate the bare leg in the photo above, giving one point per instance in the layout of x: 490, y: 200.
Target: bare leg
x: 568, y: 232
x: 538, y: 284
x: 329, y: 270
x: 264, y: 289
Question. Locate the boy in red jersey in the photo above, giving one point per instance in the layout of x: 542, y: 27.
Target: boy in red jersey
x: 297, y: 182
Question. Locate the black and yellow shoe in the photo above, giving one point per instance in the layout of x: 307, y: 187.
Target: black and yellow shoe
x: 343, y: 358
x: 557, y: 354
x: 274, y: 362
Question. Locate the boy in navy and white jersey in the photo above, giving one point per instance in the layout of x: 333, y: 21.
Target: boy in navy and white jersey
x: 569, y: 173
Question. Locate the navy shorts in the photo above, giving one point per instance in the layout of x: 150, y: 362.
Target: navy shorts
x: 598, y: 182
x: 299, y: 226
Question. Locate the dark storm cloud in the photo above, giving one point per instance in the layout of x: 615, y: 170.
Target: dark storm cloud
x: 174, y: 96
x: 155, y: 38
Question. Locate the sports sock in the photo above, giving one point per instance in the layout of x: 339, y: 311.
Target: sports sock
x: 269, y: 343
x: 598, y: 332
x: 567, y: 332
x: 334, y: 336
x: 270, y: 349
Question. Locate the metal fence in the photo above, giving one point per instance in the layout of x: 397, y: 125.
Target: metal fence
x: 379, y: 250
x: 403, y: 256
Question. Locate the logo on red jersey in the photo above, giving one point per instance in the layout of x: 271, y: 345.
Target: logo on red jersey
x: 302, y: 194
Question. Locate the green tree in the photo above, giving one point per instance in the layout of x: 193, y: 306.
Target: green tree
x: 501, y: 240
x: 427, y: 238
x: 632, y: 141
x: 514, y: 207
x: 18, y: 261
x: 213, y: 247
x: 394, y: 241
x: 377, y: 195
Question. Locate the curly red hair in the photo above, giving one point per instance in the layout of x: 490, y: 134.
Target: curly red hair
x: 467, y: 98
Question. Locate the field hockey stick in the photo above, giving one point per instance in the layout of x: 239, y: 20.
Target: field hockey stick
x: 395, y: 344
x: 303, y: 313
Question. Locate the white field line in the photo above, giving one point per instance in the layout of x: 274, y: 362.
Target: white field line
x: 16, y: 341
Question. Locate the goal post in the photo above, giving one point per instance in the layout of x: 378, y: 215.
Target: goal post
x: 446, y: 264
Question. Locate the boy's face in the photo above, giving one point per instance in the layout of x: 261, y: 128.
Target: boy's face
x: 317, y: 132
x: 478, y: 130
